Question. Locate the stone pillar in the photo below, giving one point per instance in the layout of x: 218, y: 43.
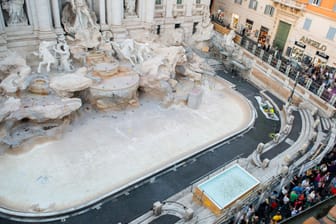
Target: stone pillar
x: 90, y: 5
x: 31, y: 8
x: 3, y: 42
x: 149, y: 11
x: 189, y: 7
x: 102, y: 16
x: 115, y: 10
x: 43, y: 11
x: 56, y: 17
x: 2, y: 22
x: 109, y: 10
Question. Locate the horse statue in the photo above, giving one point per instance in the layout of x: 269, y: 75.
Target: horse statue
x: 47, y: 57
x: 125, y: 50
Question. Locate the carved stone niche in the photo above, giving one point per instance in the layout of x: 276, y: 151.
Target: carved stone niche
x: 14, y: 12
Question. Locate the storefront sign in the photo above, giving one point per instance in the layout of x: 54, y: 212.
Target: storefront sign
x: 297, y: 43
x: 313, y: 43
x: 322, y: 55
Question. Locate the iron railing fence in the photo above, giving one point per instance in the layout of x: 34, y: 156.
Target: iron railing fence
x: 291, y: 69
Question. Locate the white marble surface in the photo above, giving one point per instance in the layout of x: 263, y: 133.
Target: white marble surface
x: 101, y: 153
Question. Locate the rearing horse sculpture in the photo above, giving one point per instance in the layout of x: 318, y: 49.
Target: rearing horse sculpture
x: 46, y: 55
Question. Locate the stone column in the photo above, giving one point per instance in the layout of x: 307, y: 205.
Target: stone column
x: 32, y: 14
x: 189, y: 7
x: 43, y: 11
x: 102, y: 16
x: 2, y: 22
x: 56, y: 17
x: 3, y: 42
x: 90, y: 5
x: 115, y: 11
x: 149, y: 11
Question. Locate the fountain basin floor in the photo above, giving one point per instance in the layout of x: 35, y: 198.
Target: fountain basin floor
x: 104, y: 152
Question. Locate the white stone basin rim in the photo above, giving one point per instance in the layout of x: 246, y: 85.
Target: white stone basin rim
x: 106, y: 67
x: 95, y: 203
x: 118, y: 83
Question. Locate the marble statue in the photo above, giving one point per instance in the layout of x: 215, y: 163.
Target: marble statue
x: 45, y: 53
x: 228, y: 40
x: 204, y: 30
x: 15, y: 11
x: 106, y: 43
x: 131, y: 50
x: 83, y: 17
x: 142, y: 51
x: 125, y: 50
x: 62, y: 51
x: 130, y: 7
x: 80, y: 23
x: 14, y: 72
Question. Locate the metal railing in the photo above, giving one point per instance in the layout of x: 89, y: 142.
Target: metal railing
x: 290, y: 69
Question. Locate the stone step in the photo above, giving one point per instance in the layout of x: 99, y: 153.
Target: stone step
x: 325, y: 124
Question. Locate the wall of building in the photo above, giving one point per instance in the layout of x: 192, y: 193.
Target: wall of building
x: 44, y: 20
x: 294, y: 13
x: 242, y: 12
x: 315, y: 38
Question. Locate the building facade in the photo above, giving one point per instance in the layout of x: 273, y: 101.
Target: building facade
x: 313, y: 37
x: 300, y: 29
x: 24, y: 23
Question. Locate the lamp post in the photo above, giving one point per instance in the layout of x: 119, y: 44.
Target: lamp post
x: 290, y: 98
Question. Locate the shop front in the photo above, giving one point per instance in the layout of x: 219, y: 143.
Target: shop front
x: 235, y: 21
x: 248, y: 27
x: 263, y: 38
x: 307, y: 51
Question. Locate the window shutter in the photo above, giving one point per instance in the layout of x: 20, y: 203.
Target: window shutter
x: 307, y: 24
x: 266, y: 9
x: 251, y: 4
x: 272, y: 10
x: 331, y: 33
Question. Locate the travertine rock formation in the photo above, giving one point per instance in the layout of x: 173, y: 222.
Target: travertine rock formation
x: 66, y: 84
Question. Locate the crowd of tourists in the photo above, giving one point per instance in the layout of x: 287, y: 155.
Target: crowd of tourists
x: 320, y: 76
x: 301, y: 193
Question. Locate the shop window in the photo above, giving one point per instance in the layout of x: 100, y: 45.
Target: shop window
x: 269, y: 10
x: 235, y: 21
x: 253, y: 4
x: 331, y: 33
x: 315, y: 2
x: 307, y: 24
x: 248, y: 27
x: 158, y: 2
x: 238, y: 1
x: 263, y: 39
x: 288, y: 51
x: 179, y: 2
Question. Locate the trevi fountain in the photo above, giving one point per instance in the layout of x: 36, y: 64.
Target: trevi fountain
x: 87, y: 114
